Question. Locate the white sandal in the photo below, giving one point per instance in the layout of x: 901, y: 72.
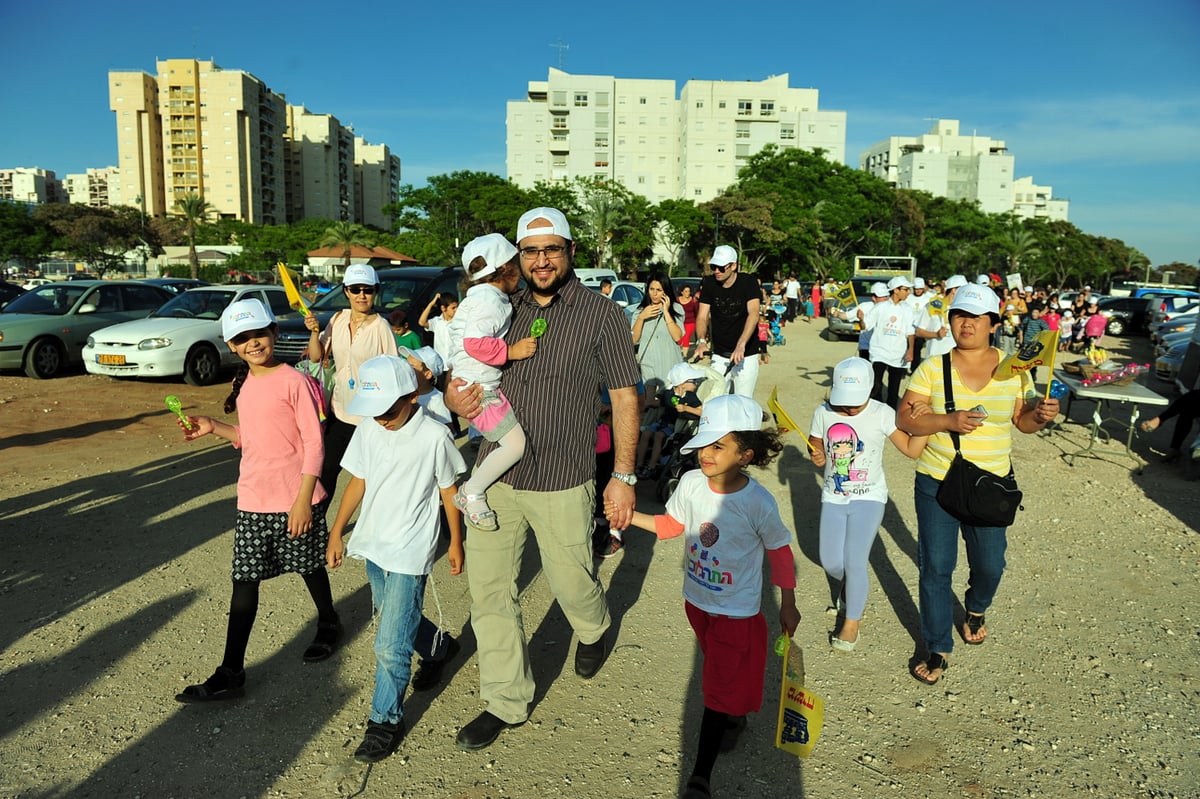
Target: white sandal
x: 484, y: 519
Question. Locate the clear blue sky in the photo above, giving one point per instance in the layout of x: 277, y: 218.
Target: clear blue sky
x: 1099, y: 99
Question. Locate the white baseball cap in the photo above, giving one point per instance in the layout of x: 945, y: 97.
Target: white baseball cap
x: 428, y: 356
x: 918, y: 282
x: 879, y: 289
x: 360, y: 275
x: 955, y: 281
x: 558, y: 224
x: 381, y: 381
x: 983, y: 280
x: 976, y: 300
x: 243, y: 315
x: 721, y: 415
x: 723, y: 255
x: 853, y: 379
x: 495, y: 250
x: 682, y: 373
x: 899, y: 282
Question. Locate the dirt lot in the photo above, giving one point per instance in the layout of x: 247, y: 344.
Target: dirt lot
x: 114, y: 586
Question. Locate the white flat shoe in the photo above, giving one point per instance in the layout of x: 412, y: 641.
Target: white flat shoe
x: 842, y: 646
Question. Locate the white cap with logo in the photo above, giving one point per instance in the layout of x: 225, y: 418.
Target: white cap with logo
x: 558, y: 225
x: 918, y: 282
x: 955, y: 281
x: 428, y: 356
x: 495, y: 250
x: 243, y: 315
x: 723, y: 255
x: 721, y: 415
x: 898, y: 282
x: 381, y: 381
x: 853, y: 380
x: 976, y: 300
x: 879, y: 290
x: 360, y: 275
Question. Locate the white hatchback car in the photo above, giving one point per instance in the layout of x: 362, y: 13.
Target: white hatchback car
x: 183, y: 337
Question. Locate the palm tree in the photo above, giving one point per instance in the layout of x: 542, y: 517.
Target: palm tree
x: 1023, y: 245
x: 603, y: 214
x: 195, y: 211
x: 345, y: 235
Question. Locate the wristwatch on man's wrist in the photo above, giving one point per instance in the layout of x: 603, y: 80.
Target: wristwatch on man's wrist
x: 627, y: 479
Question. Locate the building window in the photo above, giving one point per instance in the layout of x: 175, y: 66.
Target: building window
x: 559, y: 160
x: 602, y: 119
x: 601, y: 140
x: 743, y: 132
x: 766, y: 108
x: 787, y: 131
x: 721, y: 104
x: 697, y: 192
x: 602, y: 99
x: 581, y: 99
x: 641, y: 101
x: 745, y: 108
x: 559, y: 123
x: 699, y: 103
x: 558, y: 98
x: 602, y: 160
x: 641, y: 178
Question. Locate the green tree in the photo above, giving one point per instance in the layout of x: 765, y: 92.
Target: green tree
x: 23, y: 236
x: 345, y: 235
x: 100, y: 237
x: 194, y: 210
x: 680, y: 226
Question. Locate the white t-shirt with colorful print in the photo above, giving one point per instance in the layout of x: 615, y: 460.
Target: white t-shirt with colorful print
x: 724, y: 539
x: 854, y: 451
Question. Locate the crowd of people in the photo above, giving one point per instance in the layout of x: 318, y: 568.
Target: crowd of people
x: 557, y: 379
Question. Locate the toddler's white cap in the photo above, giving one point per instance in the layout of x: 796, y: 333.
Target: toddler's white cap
x: 495, y: 250
x: 428, y: 356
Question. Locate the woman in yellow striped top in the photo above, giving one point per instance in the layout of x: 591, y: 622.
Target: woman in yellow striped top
x: 991, y: 410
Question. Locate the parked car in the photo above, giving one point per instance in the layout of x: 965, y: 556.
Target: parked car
x: 81, y: 276
x: 45, y: 329
x: 1125, y: 315
x: 1168, y: 341
x: 592, y: 277
x: 9, y: 292
x: 1176, y: 324
x: 1165, y: 308
x: 176, y: 285
x: 34, y: 282
x: 1067, y: 298
x: 183, y: 337
x: 1166, y: 367
x: 407, y: 287
x: 627, y: 294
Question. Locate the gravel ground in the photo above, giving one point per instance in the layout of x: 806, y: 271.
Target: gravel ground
x: 115, y: 586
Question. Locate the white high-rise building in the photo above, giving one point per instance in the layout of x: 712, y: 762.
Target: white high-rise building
x: 376, y: 182
x: 1031, y: 201
x: 320, y: 166
x: 636, y: 132
x: 947, y: 164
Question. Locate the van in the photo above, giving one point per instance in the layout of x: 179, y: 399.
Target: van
x: 592, y: 277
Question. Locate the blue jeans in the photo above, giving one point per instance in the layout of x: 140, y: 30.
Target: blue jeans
x: 398, y: 600
x: 937, y: 555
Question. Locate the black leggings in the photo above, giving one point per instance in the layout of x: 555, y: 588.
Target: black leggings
x: 1187, y: 408
x: 894, y: 375
x: 243, y: 607
x: 337, y: 438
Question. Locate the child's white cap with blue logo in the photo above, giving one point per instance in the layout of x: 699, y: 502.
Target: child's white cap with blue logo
x: 728, y: 413
x: 853, y: 379
x: 244, y: 315
x: 381, y: 381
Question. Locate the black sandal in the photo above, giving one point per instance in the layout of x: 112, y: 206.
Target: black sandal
x: 325, y: 644
x: 224, y: 684
x: 935, y: 662
x: 973, y: 623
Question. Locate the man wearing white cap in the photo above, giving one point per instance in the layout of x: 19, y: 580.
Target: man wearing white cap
x: 729, y: 312
x: 891, y: 324
x: 919, y: 297
x: 933, y: 325
x: 584, y: 343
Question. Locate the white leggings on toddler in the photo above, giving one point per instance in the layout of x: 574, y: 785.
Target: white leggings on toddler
x: 847, y: 532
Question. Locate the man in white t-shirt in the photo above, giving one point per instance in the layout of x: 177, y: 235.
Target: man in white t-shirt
x: 891, y: 324
x: 791, y: 293
x: 879, y: 293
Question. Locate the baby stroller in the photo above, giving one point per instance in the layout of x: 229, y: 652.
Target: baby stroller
x: 673, y: 462
x: 777, y: 337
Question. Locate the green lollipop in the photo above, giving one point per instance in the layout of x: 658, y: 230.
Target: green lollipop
x: 176, y: 407
x: 538, y: 327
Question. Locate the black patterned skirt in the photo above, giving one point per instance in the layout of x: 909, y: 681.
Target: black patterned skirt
x: 262, y: 549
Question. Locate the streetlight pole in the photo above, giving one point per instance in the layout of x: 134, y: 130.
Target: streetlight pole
x: 141, y: 200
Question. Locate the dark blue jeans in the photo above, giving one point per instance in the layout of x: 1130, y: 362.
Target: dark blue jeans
x: 937, y: 555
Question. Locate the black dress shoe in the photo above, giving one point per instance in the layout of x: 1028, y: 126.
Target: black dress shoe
x: 589, y: 658
x: 481, y: 732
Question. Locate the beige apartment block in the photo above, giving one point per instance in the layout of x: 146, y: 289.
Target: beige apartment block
x: 91, y: 188
x: 320, y: 171
x: 1031, y: 201
x: 376, y: 182
x: 946, y: 163
x: 636, y: 132
x: 197, y: 128
x: 30, y: 185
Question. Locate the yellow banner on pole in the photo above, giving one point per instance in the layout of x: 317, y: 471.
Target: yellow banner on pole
x: 289, y: 287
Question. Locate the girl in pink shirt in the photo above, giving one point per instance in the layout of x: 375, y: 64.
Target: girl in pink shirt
x: 277, y: 529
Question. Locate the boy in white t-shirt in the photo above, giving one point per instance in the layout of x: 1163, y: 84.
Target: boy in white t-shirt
x: 403, y: 465
x: 892, y: 324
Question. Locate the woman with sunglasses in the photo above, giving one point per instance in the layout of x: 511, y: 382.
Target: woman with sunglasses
x: 352, y: 337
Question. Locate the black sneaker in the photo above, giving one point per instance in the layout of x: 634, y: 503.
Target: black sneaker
x: 429, y: 672
x: 379, y: 741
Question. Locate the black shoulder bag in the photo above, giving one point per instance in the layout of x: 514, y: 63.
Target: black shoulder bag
x: 970, y: 494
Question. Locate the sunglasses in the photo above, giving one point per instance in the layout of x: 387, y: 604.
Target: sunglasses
x: 722, y: 268
x: 360, y: 289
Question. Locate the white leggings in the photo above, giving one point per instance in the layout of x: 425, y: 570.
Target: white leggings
x: 847, y: 532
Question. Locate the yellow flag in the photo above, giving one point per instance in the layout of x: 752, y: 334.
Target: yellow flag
x: 844, y: 294
x: 801, y: 712
x: 936, y: 306
x: 782, y: 419
x: 1038, y: 352
x: 293, y: 294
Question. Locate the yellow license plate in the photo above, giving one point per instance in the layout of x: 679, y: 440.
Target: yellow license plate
x: 110, y: 360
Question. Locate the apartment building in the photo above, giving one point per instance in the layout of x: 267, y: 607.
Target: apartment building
x: 1031, y: 201
x: 30, y: 185
x: 376, y: 182
x: 320, y: 178
x: 91, y: 188
x: 946, y: 163
x: 638, y: 132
